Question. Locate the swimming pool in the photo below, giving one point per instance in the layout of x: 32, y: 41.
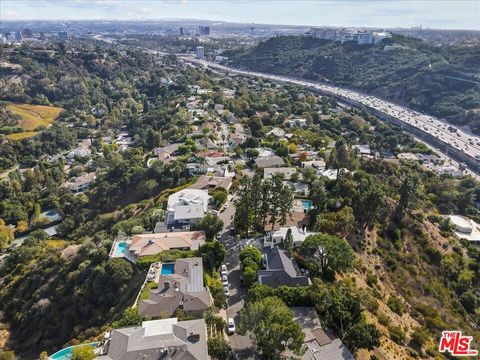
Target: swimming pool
x: 66, y: 354
x: 120, y: 249
x: 307, y: 204
x: 168, y: 269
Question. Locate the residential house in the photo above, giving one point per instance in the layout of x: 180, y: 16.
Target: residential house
x: 319, y: 343
x: 428, y: 159
x: 277, y: 237
x: 465, y: 228
x: 186, y: 207
x: 316, y: 164
x: 152, y: 244
x: 205, y: 182
x: 165, y: 153
x: 331, y: 174
x: 80, y: 183
x: 78, y: 153
x: 277, y: 132
x: 158, y: 339
x: 362, y: 150
x: 299, y: 122
x: 228, y: 93
x: 299, y: 188
x: 269, y: 161
x: 286, y: 172
x: 236, y: 140
x: 206, y: 143
x: 280, y: 270
x: 180, y: 286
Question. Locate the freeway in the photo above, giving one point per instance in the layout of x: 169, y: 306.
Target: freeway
x: 452, y: 141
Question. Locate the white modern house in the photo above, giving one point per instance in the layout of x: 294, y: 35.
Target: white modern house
x: 301, y: 123
x: 278, y: 236
x: 465, y: 228
x: 186, y: 207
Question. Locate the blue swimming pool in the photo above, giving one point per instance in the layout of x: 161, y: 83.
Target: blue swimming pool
x: 66, y: 354
x: 120, y: 248
x: 168, y: 269
x: 307, y: 204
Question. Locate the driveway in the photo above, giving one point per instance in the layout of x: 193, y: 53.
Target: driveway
x: 238, y: 294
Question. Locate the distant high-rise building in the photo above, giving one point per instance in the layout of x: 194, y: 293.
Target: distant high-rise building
x: 62, y: 35
x: 42, y: 35
x: 204, y: 30
x: 18, y: 35
x: 251, y: 30
x: 364, y: 37
x: 27, y: 33
x: 181, y: 31
x: 200, y: 52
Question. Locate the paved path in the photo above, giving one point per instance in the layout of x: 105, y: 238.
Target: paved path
x: 238, y: 294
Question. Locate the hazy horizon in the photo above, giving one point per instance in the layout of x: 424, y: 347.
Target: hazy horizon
x: 448, y: 14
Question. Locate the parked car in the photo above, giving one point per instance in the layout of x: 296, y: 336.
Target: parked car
x: 224, y: 269
x: 224, y: 280
x: 231, y: 326
x: 226, y: 291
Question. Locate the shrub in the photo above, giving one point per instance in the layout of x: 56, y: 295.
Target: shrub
x: 397, y: 334
x: 395, y: 304
x: 219, y: 348
x: 383, y: 319
x: 371, y: 279
x: 130, y: 317
x: 419, y: 337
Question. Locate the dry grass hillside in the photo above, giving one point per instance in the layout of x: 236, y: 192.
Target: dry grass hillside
x: 403, y: 290
x: 32, y: 117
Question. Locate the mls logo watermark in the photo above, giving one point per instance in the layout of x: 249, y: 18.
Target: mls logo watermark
x: 456, y: 344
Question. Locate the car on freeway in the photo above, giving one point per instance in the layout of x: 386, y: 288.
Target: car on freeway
x: 231, y: 326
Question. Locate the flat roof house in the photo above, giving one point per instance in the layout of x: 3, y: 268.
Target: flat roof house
x: 302, y: 123
x: 187, y: 206
x: 158, y: 339
x: 181, y: 288
x: 278, y: 236
x: 152, y: 244
x: 269, y: 161
x: 286, y: 172
x: 280, y: 270
x: 465, y: 228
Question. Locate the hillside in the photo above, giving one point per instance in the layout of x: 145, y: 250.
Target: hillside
x: 443, y: 81
x: 28, y: 118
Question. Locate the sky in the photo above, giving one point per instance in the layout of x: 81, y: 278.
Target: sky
x: 444, y: 14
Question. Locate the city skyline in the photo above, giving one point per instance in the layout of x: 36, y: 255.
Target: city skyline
x: 463, y: 14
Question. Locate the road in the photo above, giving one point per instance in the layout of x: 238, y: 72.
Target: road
x: 456, y: 139
x: 238, y: 294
